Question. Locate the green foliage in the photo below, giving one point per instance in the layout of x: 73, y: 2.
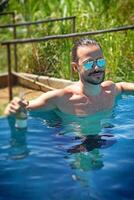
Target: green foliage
x: 52, y: 58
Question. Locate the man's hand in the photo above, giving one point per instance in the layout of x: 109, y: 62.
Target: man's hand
x: 124, y: 87
x: 14, y: 106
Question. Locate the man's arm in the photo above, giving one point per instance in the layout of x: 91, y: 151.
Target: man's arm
x: 47, y: 100
x: 124, y: 87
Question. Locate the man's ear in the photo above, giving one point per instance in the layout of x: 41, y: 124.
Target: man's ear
x: 74, y: 66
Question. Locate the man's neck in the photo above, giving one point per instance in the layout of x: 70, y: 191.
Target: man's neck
x: 90, y: 89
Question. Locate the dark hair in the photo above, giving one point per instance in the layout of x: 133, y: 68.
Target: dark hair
x: 82, y: 42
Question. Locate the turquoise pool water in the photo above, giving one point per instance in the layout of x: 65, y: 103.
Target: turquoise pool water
x: 62, y: 157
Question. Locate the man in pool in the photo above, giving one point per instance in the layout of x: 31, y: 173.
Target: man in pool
x: 89, y: 95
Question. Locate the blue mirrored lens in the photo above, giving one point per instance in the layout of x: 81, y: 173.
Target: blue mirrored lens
x: 88, y: 65
x: 101, y: 63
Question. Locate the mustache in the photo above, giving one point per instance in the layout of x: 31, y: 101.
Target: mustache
x: 95, y: 72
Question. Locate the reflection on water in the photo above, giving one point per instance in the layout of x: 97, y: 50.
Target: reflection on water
x: 86, y: 157
x: 18, y: 145
x: 87, y: 136
x: 87, y: 161
x: 88, y: 125
x: 91, y: 142
x: 84, y: 137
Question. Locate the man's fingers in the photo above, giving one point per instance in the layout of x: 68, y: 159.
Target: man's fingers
x: 12, y: 111
x: 17, y: 101
x: 14, y: 106
x: 24, y: 103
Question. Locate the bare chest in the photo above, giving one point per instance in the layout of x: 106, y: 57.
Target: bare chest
x: 82, y: 105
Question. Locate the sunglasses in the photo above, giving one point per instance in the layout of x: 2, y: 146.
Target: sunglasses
x: 88, y: 64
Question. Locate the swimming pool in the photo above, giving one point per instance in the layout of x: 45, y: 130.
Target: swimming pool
x: 65, y: 157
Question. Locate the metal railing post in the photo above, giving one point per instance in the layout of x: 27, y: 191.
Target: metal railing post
x: 74, y: 25
x: 73, y: 31
x: 15, y: 45
x: 9, y: 72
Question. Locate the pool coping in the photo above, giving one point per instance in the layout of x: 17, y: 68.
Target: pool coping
x: 33, y: 81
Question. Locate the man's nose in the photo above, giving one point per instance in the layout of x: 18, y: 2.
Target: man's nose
x: 95, y: 66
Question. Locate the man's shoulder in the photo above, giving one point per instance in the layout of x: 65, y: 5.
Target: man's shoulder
x: 113, y: 87
x: 107, y: 84
x: 73, y: 88
x: 63, y: 91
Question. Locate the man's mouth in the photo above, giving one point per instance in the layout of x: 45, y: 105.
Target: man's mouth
x: 97, y: 73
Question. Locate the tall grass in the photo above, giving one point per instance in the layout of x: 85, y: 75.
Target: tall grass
x: 53, y: 57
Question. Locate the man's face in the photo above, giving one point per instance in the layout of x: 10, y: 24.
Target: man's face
x: 92, y: 57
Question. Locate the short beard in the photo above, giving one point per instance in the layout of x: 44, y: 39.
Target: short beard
x: 93, y: 82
